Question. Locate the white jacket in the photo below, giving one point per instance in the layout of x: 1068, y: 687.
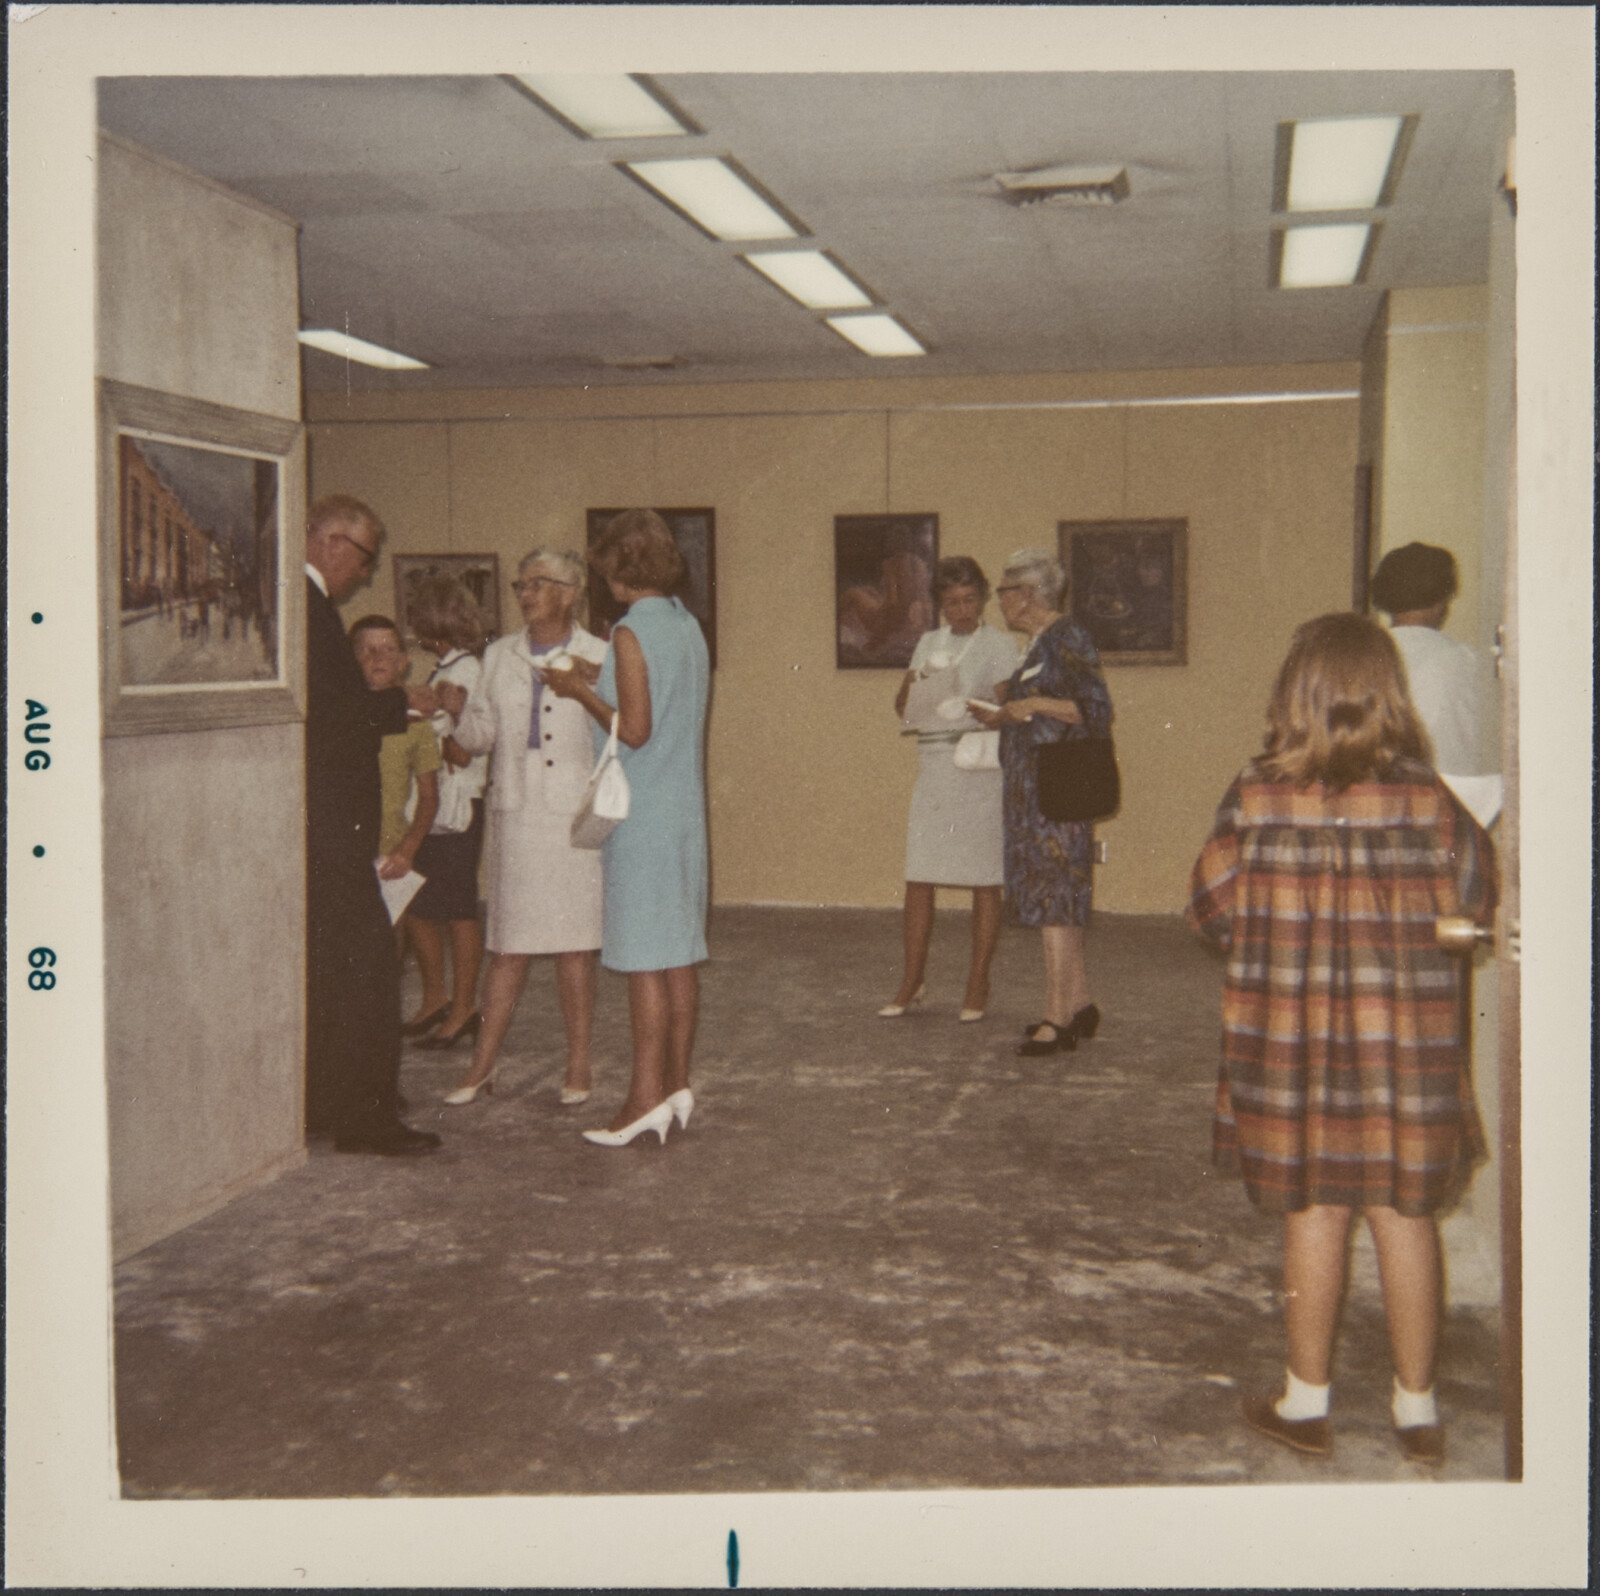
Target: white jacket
x: 496, y: 717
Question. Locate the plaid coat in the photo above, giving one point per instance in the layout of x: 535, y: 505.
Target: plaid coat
x: 1344, y: 1080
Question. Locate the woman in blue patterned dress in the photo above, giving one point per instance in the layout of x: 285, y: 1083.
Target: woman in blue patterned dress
x: 1057, y: 692
x: 656, y: 681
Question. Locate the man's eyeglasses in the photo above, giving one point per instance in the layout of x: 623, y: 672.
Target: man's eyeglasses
x: 369, y: 557
x: 534, y: 583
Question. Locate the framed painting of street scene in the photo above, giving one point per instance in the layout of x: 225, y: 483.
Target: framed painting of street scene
x: 479, y: 574
x: 1128, y: 587
x: 695, y: 533
x: 202, y: 535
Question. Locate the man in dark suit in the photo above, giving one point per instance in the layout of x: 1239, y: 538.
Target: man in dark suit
x: 352, y: 967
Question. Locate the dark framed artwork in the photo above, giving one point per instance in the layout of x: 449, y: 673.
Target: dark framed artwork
x: 479, y: 574
x: 695, y: 533
x: 1128, y: 587
x: 883, y: 588
x: 202, y: 534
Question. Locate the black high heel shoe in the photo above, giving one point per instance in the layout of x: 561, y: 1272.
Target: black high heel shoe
x: 442, y: 1044
x: 421, y: 1027
x: 1062, y: 1039
x: 1085, y: 1022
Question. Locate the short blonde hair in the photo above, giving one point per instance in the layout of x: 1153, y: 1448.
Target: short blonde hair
x: 442, y: 610
x: 1340, y: 711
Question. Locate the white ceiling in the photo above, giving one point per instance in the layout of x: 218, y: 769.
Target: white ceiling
x: 452, y: 219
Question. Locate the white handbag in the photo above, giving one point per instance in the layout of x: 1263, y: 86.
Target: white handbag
x: 605, y: 799
x: 978, y: 750
x: 455, y: 801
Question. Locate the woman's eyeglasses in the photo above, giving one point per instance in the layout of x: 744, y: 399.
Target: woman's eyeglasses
x: 534, y: 583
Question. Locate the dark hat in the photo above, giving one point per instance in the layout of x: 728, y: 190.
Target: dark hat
x: 1414, y: 577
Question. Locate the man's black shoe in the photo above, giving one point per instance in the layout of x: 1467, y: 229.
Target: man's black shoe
x: 389, y: 1141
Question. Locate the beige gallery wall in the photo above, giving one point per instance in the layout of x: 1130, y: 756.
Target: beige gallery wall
x: 808, y: 779
x: 204, y: 830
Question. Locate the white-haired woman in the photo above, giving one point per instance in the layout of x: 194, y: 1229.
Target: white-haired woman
x: 1057, y: 692
x: 544, y: 894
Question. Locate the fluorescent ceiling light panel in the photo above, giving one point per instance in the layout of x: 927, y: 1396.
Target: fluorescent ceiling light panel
x: 711, y: 193
x: 876, y: 335
x: 1323, y: 257
x: 1340, y: 164
x: 608, y: 105
x: 811, y: 277
x: 338, y: 343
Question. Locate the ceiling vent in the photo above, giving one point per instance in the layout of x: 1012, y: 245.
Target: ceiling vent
x: 1065, y: 185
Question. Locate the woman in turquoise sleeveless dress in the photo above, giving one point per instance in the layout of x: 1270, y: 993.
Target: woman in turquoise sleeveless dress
x: 656, y: 681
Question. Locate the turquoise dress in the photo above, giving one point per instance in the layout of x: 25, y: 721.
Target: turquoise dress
x: 655, y: 861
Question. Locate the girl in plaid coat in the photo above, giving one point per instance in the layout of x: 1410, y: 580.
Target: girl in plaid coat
x: 1344, y: 1082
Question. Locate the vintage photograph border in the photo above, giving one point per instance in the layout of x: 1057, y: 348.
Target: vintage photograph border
x: 198, y: 423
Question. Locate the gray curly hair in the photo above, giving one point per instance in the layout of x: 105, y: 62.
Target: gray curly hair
x: 563, y: 564
x: 1039, y: 570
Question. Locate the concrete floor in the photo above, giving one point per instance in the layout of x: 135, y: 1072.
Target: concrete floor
x: 886, y: 1254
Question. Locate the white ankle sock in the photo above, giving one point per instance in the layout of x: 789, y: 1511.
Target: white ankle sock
x: 1302, y: 1401
x: 1413, y: 1408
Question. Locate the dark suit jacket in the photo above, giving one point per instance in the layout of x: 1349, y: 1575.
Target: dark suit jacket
x: 345, y: 724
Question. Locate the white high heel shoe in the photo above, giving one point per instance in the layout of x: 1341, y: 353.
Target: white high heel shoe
x: 682, y: 1105
x: 657, y: 1120
x: 893, y: 1011
x: 573, y: 1095
x: 463, y: 1095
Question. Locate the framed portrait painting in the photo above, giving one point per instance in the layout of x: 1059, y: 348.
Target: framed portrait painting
x: 202, y: 531
x: 479, y: 574
x: 695, y: 533
x: 882, y: 588
x: 1128, y: 587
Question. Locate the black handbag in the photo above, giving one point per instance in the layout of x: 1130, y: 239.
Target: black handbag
x: 1078, y: 779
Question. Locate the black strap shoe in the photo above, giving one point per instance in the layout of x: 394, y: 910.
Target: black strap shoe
x: 1060, y: 1039
x: 388, y: 1141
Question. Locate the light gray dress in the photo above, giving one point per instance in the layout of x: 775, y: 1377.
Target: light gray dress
x: 955, y: 834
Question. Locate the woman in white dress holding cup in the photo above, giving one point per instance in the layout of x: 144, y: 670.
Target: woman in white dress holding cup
x: 954, y: 838
x: 544, y: 894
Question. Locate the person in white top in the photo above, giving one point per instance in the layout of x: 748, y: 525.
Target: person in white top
x: 544, y: 894
x: 1413, y: 586
x: 447, y: 622
x: 955, y: 830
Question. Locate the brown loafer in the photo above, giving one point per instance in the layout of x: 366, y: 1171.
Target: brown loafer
x: 1311, y: 1436
x: 1422, y: 1443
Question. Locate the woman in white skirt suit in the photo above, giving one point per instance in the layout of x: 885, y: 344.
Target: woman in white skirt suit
x: 954, y: 838
x: 544, y: 894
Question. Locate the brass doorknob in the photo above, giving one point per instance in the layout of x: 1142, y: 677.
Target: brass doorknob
x: 1455, y: 933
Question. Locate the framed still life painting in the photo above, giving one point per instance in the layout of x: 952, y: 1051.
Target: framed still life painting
x: 202, y: 529
x: 1128, y: 587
